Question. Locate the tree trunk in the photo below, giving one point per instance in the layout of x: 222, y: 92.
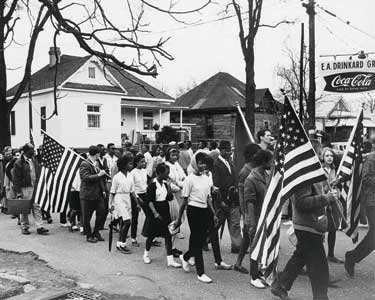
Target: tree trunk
x: 4, y: 107
x: 250, y: 89
x: 5, y: 139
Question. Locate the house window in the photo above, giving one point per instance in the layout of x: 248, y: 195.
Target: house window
x: 13, y: 123
x: 91, y: 72
x: 93, y: 116
x: 148, y: 120
x: 174, y: 117
x: 43, y: 122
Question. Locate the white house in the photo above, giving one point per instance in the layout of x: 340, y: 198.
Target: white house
x: 95, y: 104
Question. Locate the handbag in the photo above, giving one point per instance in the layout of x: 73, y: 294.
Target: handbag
x: 19, y: 206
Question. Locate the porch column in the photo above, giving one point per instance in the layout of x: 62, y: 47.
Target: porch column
x: 181, y: 118
x: 160, y: 110
x: 136, y: 120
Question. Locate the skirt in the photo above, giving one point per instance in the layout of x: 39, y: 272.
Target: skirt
x: 123, y: 206
x: 154, y: 227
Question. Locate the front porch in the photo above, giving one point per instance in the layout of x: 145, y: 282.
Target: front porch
x: 141, y: 120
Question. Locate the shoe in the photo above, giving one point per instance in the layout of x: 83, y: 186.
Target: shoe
x: 91, y: 239
x: 146, y: 259
x: 25, y: 231
x: 191, y: 261
x: 204, y: 278
x: 98, y: 237
x: 180, y: 236
x: 156, y: 243
x: 75, y: 228
x: 223, y: 266
x: 335, y: 260
x: 42, y: 231
x: 176, y: 253
x: 235, y: 251
x: 264, y: 281
x: 135, y: 243
x: 349, y: 265
x: 185, y: 264
x: 241, y: 269
x: 172, y: 263
x: 67, y: 224
x: 257, y: 283
x: 49, y: 220
x: 279, y: 291
x: 123, y: 249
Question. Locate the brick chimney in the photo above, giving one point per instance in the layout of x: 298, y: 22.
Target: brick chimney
x: 52, y: 55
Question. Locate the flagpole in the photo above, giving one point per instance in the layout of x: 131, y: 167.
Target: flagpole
x: 245, y: 123
x: 44, y: 132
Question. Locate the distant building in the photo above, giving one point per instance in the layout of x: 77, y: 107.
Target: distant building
x: 335, y: 116
x: 212, y: 108
x: 96, y: 104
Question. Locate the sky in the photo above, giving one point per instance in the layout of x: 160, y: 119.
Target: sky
x: 200, y: 52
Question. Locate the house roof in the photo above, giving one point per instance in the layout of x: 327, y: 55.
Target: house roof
x: 44, y: 79
x: 328, y: 105
x: 221, y: 91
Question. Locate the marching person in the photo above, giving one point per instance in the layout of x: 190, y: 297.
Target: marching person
x: 249, y: 152
x: 158, y: 196
x: 310, y: 224
x: 255, y: 187
x: 92, y: 194
x: 103, y: 165
x: 224, y: 178
x: 334, y: 217
x: 177, y: 177
x: 367, y: 199
x: 122, y: 190
x: 139, y: 175
x: 26, y: 171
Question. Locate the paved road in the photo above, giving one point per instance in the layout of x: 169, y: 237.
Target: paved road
x: 117, y: 273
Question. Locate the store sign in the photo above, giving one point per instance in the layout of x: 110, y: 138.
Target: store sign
x: 351, y: 76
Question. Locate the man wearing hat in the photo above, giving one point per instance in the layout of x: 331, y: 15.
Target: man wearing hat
x: 224, y: 178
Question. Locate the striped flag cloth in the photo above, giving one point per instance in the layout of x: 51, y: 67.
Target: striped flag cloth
x: 59, y: 167
x: 296, y: 164
x: 351, y: 171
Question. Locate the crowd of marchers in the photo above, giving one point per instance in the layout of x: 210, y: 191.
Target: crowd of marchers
x: 199, y: 186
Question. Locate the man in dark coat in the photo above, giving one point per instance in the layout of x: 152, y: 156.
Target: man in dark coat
x: 92, y: 194
x: 224, y: 178
x: 25, y: 174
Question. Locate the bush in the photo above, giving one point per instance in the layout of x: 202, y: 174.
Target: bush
x: 166, y: 135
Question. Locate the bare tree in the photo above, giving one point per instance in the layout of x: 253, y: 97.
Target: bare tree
x: 90, y: 24
x: 247, y: 36
x: 369, y: 102
x: 185, y: 88
x: 290, y: 78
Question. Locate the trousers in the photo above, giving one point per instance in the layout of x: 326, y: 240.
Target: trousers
x: 88, y: 207
x: 310, y: 252
x: 367, y: 245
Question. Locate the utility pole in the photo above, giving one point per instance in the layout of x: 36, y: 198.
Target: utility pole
x: 310, y: 8
x: 301, y: 69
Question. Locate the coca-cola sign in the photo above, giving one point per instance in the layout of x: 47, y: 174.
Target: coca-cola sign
x: 352, y: 82
x: 350, y: 76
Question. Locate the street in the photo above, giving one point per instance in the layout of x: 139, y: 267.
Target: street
x: 115, y: 273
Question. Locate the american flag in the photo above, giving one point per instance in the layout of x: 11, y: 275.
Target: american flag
x: 296, y: 164
x: 351, y: 171
x: 59, y: 167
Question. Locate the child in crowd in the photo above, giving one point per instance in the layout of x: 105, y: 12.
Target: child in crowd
x: 197, y: 197
x: 158, y: 195
x: 139, y: 174
x: 122, y: 190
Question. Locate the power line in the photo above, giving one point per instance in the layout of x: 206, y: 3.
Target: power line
x: 345, y: 22
x: 321, y: 19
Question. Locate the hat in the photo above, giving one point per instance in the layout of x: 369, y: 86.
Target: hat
x: 225, y: 145
x: 172, y: 143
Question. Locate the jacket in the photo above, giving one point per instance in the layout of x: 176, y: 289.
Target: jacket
x: 21, y: 174
x: 224, y: 181
x: 245, y: 171
x: 255, y: 188
x: 308, y: 204
x: 92, y: 186
x: 368, y: 181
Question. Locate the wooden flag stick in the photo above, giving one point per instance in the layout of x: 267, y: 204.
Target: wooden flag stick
x: 245, y: 123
